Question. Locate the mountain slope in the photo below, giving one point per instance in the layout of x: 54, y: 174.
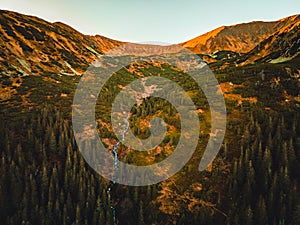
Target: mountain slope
x: 239, y: 38
x: 281, y: 46
x: 30, y: 45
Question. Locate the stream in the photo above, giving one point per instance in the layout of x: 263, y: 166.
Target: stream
x: 116, y: 167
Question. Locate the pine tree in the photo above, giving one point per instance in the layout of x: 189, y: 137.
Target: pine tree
x: 141, y: 214
x: 260, y: 216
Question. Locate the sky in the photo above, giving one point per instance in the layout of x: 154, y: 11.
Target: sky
x: 168, y: 21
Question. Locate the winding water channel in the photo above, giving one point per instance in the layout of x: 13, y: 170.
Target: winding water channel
x: 116, y: 168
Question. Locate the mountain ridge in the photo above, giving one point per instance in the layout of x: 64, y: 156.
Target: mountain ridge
x: 281, y: 46
x: 240, y: 38
x: 45, y: 46
x: 30, y: 45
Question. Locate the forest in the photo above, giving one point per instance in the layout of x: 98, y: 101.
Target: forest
x: 253, y: 180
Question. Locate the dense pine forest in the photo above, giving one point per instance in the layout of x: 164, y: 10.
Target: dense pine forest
x: 254, y: 179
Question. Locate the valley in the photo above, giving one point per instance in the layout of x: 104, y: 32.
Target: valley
x: 253, y: 180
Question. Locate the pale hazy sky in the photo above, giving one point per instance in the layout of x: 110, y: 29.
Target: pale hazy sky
x: 170, y: 21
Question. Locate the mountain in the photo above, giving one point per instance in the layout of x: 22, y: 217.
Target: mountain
x: 29, y: 45
x: 240, y: 38
x: 282, y: 45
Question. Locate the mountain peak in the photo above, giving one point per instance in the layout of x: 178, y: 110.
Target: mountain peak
x: 203, y: 38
